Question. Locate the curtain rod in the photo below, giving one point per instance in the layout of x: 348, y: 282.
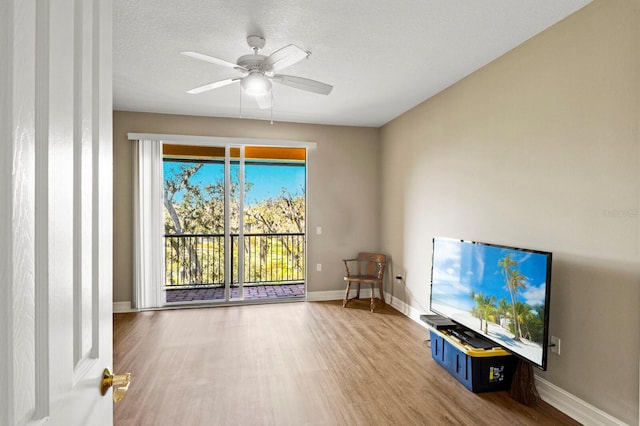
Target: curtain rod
x: 217, y: 140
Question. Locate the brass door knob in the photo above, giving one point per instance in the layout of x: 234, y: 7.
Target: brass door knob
x: 120, y: 383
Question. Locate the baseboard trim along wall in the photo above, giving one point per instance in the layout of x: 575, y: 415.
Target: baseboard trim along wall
x: 569, y: 404
x: 319, y: 296
x: 573, y: 406
x: 120, y: 307
x: 406, y: 309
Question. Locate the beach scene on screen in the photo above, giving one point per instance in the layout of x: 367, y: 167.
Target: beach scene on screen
x: 498, y: 292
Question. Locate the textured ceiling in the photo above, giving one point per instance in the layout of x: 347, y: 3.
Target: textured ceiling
x: 383, y: 57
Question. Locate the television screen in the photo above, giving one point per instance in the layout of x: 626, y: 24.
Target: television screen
x: 500, y: 293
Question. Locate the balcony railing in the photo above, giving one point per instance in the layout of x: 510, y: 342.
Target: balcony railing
x: 198, y: 260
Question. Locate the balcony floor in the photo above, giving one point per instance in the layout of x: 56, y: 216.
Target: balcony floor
x: 254, y: 292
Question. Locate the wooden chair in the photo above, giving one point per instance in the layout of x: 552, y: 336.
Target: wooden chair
x: 367, y: 268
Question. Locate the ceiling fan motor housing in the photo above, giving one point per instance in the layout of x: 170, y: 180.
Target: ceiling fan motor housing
x: 254, y: 63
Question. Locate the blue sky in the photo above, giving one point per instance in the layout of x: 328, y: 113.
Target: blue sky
x: 460, y: 268
x: 267, y: 179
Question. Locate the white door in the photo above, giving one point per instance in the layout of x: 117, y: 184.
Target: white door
x: 55, y: 211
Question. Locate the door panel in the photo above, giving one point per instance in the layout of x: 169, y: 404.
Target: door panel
x: 55, y: 218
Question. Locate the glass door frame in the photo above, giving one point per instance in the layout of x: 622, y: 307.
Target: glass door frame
x: 228, y: 143
x: 228, y: 249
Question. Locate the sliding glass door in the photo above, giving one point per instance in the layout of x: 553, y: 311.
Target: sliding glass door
x: 234, y: 223
x: 274, y: 223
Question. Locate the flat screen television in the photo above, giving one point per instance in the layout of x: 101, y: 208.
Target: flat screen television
x: 497, y: 292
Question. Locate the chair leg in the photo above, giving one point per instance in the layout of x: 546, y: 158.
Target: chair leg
x: 373, y: 297
x: 346, y: 294
x: 358, y: 292
x: 382, y: 294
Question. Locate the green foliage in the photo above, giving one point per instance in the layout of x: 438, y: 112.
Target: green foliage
x: 531, y: 321
x: 514, y: 281
x: 525, y: 321
x: 484, y: 309
x: 284, y: 214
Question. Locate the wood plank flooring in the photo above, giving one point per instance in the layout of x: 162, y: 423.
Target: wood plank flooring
x: 306, y: 363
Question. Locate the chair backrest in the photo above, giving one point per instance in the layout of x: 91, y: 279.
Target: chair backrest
x: 372, y: 264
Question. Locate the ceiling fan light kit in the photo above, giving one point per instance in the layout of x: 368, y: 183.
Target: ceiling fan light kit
x: 256, y: 84
x: 259, y: 71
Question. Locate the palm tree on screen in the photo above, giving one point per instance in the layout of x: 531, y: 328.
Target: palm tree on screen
x: 475, y: 310
x: 503, y: 308
x: 484, y: 308
x: 514, y: 281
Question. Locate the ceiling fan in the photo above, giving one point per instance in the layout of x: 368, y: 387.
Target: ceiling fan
x: 258, y: 71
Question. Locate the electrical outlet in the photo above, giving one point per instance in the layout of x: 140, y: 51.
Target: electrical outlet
x: 555, y: 341
x: 319, y: 267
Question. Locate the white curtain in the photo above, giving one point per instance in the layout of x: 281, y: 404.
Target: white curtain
x: 148, y: 226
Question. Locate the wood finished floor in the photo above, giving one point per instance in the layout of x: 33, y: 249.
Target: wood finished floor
x: 306, y: 363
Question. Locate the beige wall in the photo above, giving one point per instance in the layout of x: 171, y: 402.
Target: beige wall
x: 342, y: 188
x: 539, y: 149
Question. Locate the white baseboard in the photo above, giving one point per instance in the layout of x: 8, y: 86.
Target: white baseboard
x: 319, y: 296
x: 411, y: 312
x: 406, y: 309
x: 573, y: 406
x: 120, y: 307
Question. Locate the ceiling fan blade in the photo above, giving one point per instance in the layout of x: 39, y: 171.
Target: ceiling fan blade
x: 303, y: 84
x: 213, y: 85
x: 264, y: 101
x: 211, y: 59
x: 286, y: 56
